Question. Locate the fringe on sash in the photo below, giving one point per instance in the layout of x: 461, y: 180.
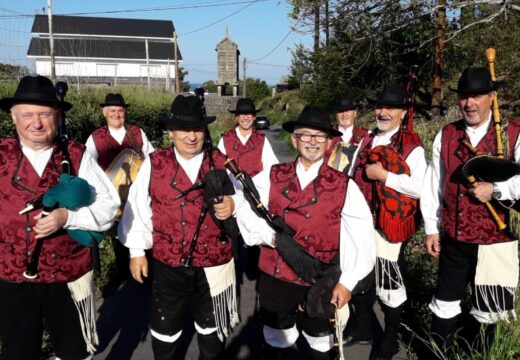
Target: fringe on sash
x: 82, y: 293
x: 493, y: 297
x: 514, y: 223
x: 222, y: 286
x: 384, y: 267
x: 225, y: 305
x: 340, y: 319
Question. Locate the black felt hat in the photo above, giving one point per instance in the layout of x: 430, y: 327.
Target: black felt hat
x: 186, y: 113
x: 34, y: 90
x: 344, y: 103
x: 114, y: 100
x: 475, y: 81
x: 393, y: 95
x: 314, y: 118
x: 245, y: 106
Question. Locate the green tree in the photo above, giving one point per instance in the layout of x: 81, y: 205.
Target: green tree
x: 210, y: 86
x: 257, y: 89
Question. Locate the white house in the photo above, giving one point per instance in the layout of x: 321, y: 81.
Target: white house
x: 105, y: 50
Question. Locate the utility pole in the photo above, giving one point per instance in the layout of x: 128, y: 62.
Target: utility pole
x: 51, y: 42
x: 244, y: 87
x: 147, y: 63
x: 176, y: 52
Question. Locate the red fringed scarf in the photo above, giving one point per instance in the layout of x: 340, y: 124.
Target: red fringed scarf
x: 397, y: 212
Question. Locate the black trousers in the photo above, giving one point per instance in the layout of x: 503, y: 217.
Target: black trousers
x: 175, y: 291
x: 457, y: 265
x: 279, y: 301
x: 26, y: 309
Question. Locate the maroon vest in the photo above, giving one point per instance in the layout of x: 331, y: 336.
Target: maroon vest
x: 107, y: 147
x: 314, y: 213
x: 61, y: 259
x: 463, y: 217
x: 175, y: 221
x: 363, y: 157
x: 248, y: 156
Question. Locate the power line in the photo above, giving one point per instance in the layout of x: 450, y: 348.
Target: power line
x: 178, y: 7
x: 277, y: 45
x: 273, y: 65
x: 222, y: 19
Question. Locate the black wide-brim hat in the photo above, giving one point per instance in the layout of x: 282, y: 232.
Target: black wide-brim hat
x: 37, y: 90
x: 245, y: 106
x: 393, y: 95
x: 114, y: 100
x: 186, y: 113
x: 314, y: 118
x: 344, y: 103
x: 475, y: 81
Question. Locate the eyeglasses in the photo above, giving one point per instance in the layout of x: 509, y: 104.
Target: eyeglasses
x: 320, y: 138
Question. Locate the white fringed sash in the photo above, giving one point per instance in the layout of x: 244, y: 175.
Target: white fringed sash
x: 83, y: 293
x: 222, y: 281
x: 496, y: 273
x: 387, y: 256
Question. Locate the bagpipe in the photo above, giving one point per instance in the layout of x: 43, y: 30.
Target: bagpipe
x: 215, y: 184
x: 71, y: 192
x: 322, y: 276
x: 494, y: 168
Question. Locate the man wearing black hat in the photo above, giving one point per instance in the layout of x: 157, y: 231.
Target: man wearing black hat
x: 30, y: 167
x: 346, y: 113
x: 248, y: 146
x: 472, y: 248
x: 192, y: 258
x: 330, y: 221
x: 105, y: 144
x: 389, y: 167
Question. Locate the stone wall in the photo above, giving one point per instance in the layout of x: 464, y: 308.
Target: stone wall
x: 219, y: 106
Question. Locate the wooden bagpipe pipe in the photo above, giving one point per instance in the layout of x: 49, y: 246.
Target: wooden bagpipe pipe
x: 492, y: 168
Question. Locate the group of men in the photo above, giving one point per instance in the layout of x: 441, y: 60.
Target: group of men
x: 332, y: 225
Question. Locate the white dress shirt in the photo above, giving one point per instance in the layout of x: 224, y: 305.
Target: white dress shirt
x: 357, y: 245
x: 119, y: 136
x: 410, y: 185
x: 98, y: 216
x: 433, y: 192
x: 135, y: 228
x: 347, y: 133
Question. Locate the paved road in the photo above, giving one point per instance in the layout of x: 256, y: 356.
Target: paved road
x: 123, y: 316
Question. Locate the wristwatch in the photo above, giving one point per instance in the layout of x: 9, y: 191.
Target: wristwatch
x: 497, y: 194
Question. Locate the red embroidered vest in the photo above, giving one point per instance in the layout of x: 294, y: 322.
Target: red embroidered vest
x: 462, y: 216
x: 248, y: 156
x: 61, y: 259
x: 314, y: 213
x: 107, y: 147
x: 175, y: 221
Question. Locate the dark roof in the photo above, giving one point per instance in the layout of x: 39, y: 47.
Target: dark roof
x: 86, y: 25
x: 102, y: 49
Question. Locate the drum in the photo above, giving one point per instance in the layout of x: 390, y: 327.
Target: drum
x: 339, y: 158
x: 122, y: 172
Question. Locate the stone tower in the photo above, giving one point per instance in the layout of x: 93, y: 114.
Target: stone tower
x: 227, y: 65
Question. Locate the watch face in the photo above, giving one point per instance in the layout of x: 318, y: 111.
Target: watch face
x: 497, y: 194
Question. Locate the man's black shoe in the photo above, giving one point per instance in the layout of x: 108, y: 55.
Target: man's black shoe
x: 354, y: 340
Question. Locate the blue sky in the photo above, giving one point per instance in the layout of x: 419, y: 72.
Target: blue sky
x: 260, y: 28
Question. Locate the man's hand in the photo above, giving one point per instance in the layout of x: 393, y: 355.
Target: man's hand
x: 139, y: 268
x: 51, y: 223
x: 483, y: 192
x: 432, y: 243
x: 376, y: 172
x: 340, y: 295
x: 225, y: 209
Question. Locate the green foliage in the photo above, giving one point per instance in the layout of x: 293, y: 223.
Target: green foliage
x: 257, y: 89
x: 210, y: 86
